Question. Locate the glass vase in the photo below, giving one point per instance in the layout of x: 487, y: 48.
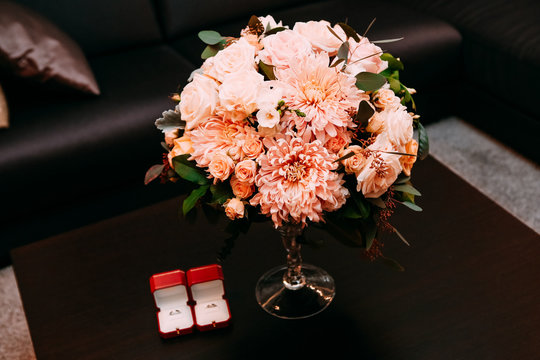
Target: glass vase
x: 295, y: 290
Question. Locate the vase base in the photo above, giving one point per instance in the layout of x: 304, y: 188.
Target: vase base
x: 279, y: 300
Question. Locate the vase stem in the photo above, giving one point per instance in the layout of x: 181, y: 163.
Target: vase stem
x: 293, y: 278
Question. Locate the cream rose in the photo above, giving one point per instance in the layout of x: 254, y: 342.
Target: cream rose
x: 355, y: 163
x: 398, y: 126
x: 234, y: 208
x: 182, y: 146
x: 320, y: 37
x: 246, y: 170
x: 241, y: 189
x: 269, y: 22
x: 386, y: 98
x: 199, y: 100
x: 360, y: 58
x: 238, y: 94
x: 236, y: 57
x: 221, y: 167
x: 376, y: 123
x: 407, y: 162
x: 282, y: 48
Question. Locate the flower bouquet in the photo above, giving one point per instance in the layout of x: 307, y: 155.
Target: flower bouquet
x: 302, y: 125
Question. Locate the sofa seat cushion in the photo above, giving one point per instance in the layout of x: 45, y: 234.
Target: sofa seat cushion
x: 64, y: 151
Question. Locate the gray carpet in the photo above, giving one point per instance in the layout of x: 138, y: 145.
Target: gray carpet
x: 508, y: 179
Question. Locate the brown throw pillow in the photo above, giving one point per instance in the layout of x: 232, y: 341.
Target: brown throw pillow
x: 32, y: 47
x: 4, y: 114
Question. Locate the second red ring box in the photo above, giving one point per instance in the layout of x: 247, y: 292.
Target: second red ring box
x: 195, y: 299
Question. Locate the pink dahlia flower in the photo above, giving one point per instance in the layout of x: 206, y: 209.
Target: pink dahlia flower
x: 296, y: 181
x: 324, y: 94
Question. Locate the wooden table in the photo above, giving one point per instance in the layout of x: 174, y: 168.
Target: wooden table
x: 471, y: 289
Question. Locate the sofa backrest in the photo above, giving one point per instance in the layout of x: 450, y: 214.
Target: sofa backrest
x: 179, y: 17
x: 101, y: 25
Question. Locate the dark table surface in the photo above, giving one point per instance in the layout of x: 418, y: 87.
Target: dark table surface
x: 471, y: 288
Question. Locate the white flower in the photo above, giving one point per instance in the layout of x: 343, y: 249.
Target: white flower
x: 268, y: 117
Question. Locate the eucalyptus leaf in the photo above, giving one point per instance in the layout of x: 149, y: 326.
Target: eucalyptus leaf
x: 188, y: 170
x: 400, y: 236
x: 364, y: 113
x: 210, y: 37
x: 343, y: 51
x: 268, y: 70
x: 275, y: 30
x: 221, y: 193
x: 392, y: 263
x: 334, y: 33
x: 191, y: 200
x: 153, y: 173
x: 346, y: 156
x: 361, y: 203
x: 408, y: 189
x: 377, y: 202
x: 423, y: 142
x: 411, y: 206
x: 402, y: 179
x: 209, y: 51
x: 393, y: 63
x: 368, y: 81
x: 336, y: 63
x: 170, y: 120
x: 351, y: 212
x: 386, y: 41
x: 349, y: 31
x: 369, y: 27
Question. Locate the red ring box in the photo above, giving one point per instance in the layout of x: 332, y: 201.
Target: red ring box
x: 211, y: 308
x: 171, y: 296
x: 196, y: 301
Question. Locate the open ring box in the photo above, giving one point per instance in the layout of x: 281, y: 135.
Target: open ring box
x: 184, y: 303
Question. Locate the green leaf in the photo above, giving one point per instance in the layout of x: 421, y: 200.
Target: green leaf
x: 411, y: 206
x: 392, y: 263
x: 395, y: 85
x: 349, y: 31
x: 221, y: 192
x: 361, y: 203
x: 188, y: 170
x: 336, y: 63
x: 351, y: 212
x: 209, y: 51
x: 275, y: 30
x: 170, y: 120
x: 268, y: 70
x: 393, y: 63
x: 346, y: 156
x: 210, y: 37
x: 334, y: 33
x: 408, y: 189
x: 369, y: 81
x: 402, y: 179
x: 344, y: 232
x: 423, y: 142
x: 377, y: 202
x: 364, y: 113
x: 343, y: 51
x: 370, y: 231
x: 153, y: 173
x: 401, y: 236
x: 192, y: 199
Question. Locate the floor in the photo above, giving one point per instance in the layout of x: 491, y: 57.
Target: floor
x: 504, y: 176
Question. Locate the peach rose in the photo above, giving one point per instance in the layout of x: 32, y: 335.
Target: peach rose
x: 246, y: 170
x: 376, y: 123
x: 360, y: 58
x: 282, y: 48
x: 239, y: 56
x: 338, y: 142
x: 241, y: 189
x: 408, y: 161
x: 182, y: 146
x: 234, y: 208
x: 199, y: 100
x: 380, y: 170
x: 252, y: 147
x: 268, y: 117
x: 320, y: 37
x: 238, y: 94
x: 268, y: 132
x: 355, y: 163
x: 221, y: 167
x: 386, y: 98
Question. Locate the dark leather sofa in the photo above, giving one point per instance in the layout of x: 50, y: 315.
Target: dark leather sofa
x: 71, y: 160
